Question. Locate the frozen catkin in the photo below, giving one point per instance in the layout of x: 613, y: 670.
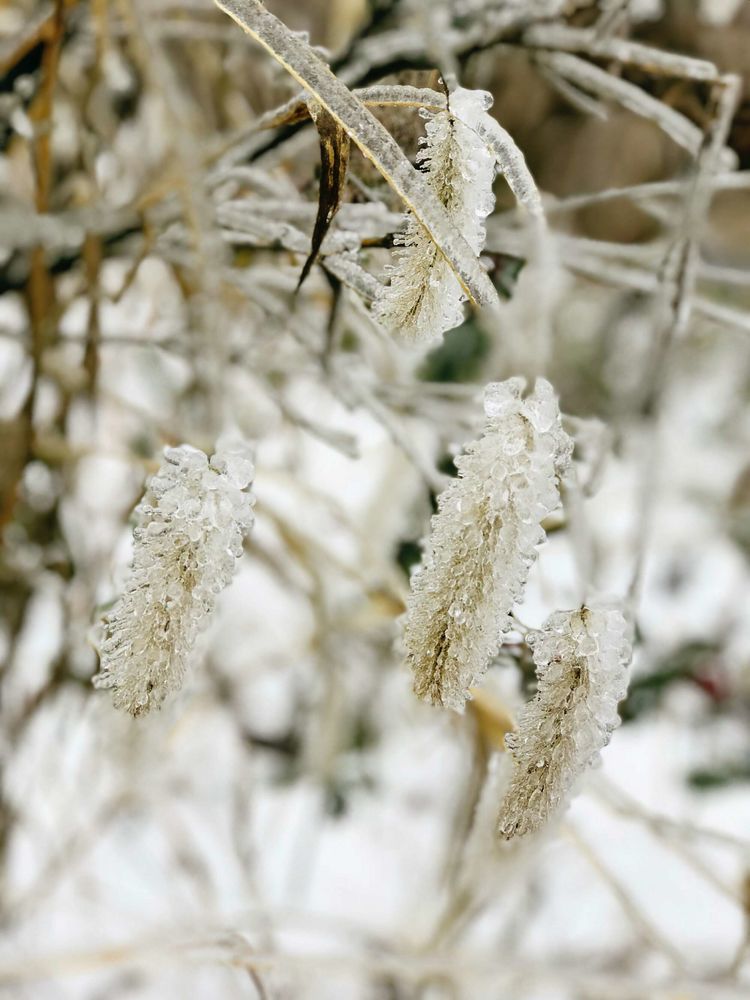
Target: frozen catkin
x: 191, y: 525
x: 582, y: 659
x: 483, y: 541
x: 424, y: 297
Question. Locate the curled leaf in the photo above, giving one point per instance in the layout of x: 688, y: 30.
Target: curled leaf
x: 334, y: 159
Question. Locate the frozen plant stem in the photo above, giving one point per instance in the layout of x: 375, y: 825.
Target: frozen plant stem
x: 483, y: 541
x: 191, y: 526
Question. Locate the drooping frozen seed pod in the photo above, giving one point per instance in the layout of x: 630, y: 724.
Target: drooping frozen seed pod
x: 191, y: 525
x: 424, y: 297
x: 582, y: 660
x: 483, y: 541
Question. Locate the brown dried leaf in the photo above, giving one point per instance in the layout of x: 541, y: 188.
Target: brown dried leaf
x: 334, y: 159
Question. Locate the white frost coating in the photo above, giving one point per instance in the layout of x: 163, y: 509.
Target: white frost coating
x: 347, y: 270
x: 241, y: 229
x: 396, y: 95
x: 370, y: 136
x: 593, y: 444
x: 563, y: 37
x: 579, y: 99
x: 424, y: 299
x: 512, y: 164
x: 598, y: 81
x: 482, y: 843
x: 369, y: 220
x: 191, y: 526
x: 488, y: 863
x: 541, y: 274
x: 582, y: 660
x: 483, y: 541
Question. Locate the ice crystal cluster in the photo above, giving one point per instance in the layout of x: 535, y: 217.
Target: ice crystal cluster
x: 424, y: 297
x: 582, y: 660
x: 191, y: 525
x: 483, y: 541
